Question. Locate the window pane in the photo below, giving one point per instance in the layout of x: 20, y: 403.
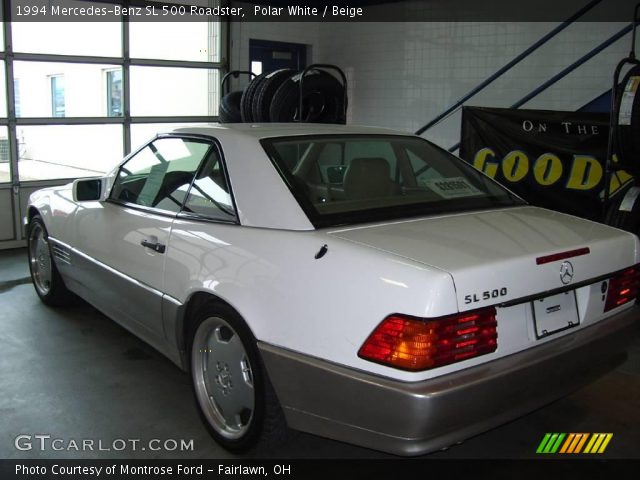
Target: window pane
x: 210, y: 195
x: 114, y: 93
x: 17, y: 95
x: 369, y: 181
x: 192, y: 41
x: 102, y: 39
x: 5, y: 173
x: 141, y: 133
x: 256, y: 67
x: 159, y: 176
x: 68, y: 151
x: 66, y: 89
x: 3, y: 97
x: 160, y: 91
x: 57, y: 96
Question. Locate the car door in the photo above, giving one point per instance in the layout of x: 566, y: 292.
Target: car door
x: 122, y: 242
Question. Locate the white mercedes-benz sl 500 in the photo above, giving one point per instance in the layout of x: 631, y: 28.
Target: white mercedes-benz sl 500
x: 357, y: 283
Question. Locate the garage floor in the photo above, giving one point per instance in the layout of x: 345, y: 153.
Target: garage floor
x: 74, y: 374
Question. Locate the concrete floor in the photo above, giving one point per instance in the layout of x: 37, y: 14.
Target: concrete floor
x: 74, y: 374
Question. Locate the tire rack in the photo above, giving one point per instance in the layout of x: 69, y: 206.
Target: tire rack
x: 325, y: 66
x: 235, y: 74
x: 616, y: 97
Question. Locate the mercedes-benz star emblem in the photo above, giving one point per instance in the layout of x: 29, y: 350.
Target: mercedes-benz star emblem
x: 566, y: 272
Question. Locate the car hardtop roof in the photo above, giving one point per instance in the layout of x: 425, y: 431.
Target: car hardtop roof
x: 271, y: 130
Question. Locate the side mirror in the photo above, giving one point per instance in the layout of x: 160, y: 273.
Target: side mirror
x: 89, y: 189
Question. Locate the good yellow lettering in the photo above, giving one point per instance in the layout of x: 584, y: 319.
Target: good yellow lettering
x: 485, y: 161
x: 548, y: 169
x: 586, y: 173
x: 515, y: 166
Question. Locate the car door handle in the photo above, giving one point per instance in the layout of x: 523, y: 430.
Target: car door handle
x: 155, y: 246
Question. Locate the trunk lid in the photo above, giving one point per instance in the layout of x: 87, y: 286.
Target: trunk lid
x: 491, y: 255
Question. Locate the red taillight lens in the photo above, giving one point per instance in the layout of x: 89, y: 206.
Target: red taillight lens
x: 410, y: 343
x: 623, y: 288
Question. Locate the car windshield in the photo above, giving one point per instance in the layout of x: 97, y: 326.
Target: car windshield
x: 345, y: 179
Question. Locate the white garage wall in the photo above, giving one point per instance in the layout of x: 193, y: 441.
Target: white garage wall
x: 401, y: 75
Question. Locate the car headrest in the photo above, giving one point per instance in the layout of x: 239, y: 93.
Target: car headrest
x: 367, y: 177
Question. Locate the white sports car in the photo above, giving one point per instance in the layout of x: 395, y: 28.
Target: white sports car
x: 357, y: 283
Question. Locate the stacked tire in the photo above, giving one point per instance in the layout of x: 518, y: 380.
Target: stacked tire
x: 256, y: 100
x: 627, y: 117
x: 624, y: 208
x: 275, y: 97
x: 230, y: 107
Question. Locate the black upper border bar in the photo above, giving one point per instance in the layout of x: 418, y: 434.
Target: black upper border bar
x: 322, y: 11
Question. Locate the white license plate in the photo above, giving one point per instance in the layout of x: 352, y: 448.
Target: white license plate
x: 555, y: 313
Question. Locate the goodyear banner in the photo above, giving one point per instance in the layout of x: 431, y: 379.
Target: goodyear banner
x: 551, y: 159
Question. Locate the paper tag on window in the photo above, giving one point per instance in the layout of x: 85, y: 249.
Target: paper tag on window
x: 454, y: 187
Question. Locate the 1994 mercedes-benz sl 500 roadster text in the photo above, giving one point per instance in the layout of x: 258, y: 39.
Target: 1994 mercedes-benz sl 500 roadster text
x: 357, y: 283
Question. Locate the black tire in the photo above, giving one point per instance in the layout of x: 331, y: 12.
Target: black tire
x: 323, y: 99
x: 44, y: 274
x: 230, y: 108
x: 265, y: 91
x: 628, y: 135
x: 628, y: 221
x: 220, y: 339
x: 246, y: 102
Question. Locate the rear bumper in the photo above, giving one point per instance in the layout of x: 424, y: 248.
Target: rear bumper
x: 421, y: 417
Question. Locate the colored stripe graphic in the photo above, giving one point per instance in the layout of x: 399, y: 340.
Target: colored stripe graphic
x: 567, y: 443
x: 581, y: 443
x: 596, y: 443
x: 544, y: 441
x: 550, y: 443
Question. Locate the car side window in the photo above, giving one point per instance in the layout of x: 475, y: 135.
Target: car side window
x: 160, y: 174
x: 210, y: 195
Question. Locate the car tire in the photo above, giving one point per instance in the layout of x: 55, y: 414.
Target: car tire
x: 233, y: 393
x: 230, y: 108
x: 323, y: 99
x: 627, y: 137
x: 246, y: 102
x: 44, y: 274
x: 624, y: 220
x: 264, y: 93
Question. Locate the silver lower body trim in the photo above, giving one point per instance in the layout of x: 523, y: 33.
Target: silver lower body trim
x: 420, y: 417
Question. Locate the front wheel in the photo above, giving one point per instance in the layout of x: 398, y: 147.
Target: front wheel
x: 45, y: 276
x: 234, y: 396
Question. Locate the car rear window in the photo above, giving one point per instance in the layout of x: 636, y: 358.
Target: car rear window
x: 346, y: 179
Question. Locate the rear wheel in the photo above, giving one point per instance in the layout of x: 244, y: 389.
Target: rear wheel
x: 233, y: 394
x: 45, y: 276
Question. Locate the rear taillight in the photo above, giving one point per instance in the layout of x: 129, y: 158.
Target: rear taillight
x: 623, y: 288
x: 410, y: 343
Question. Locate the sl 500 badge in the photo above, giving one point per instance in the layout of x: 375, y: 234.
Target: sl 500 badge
x: 486, y: 295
